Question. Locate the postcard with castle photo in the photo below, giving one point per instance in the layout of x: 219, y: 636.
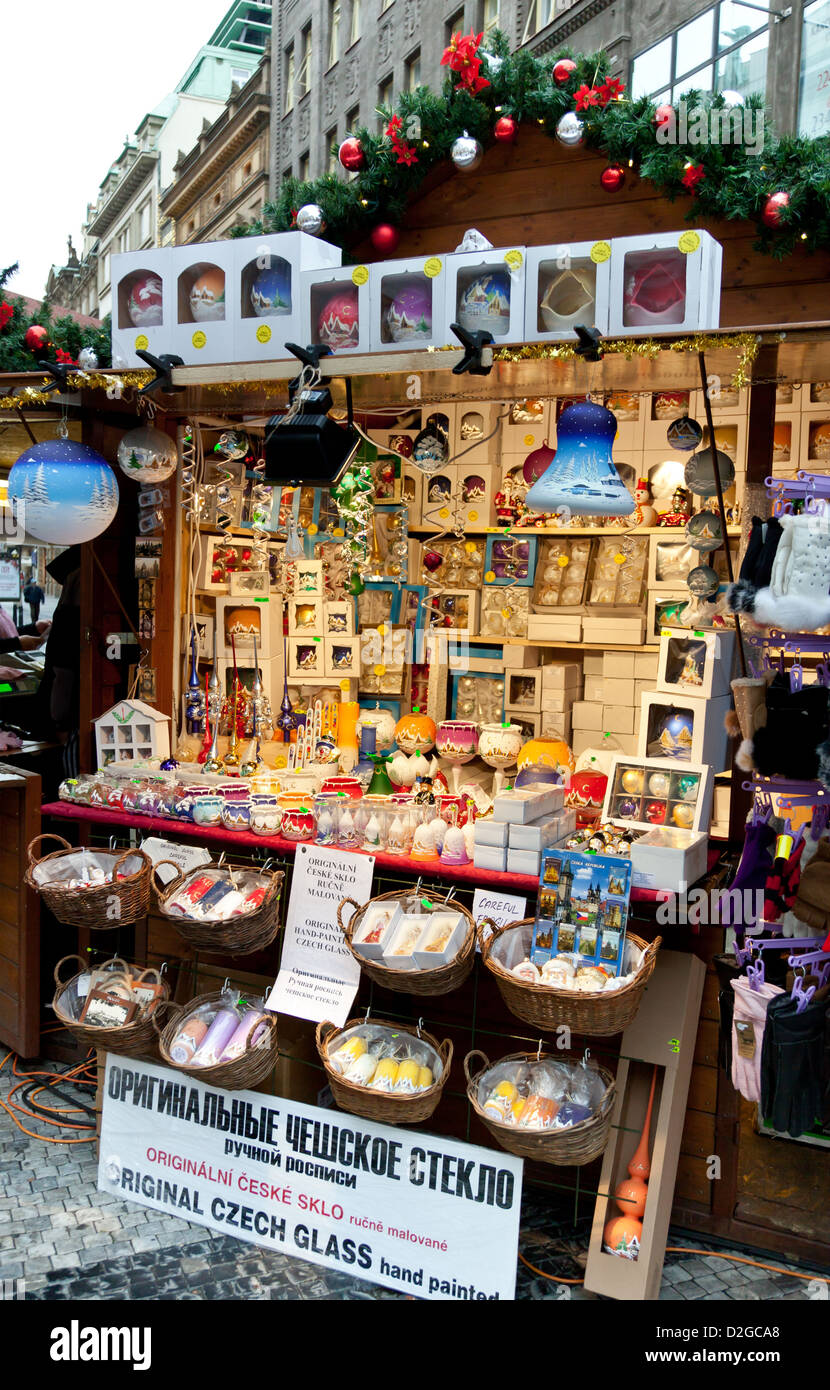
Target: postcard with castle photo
x: 582, y: 909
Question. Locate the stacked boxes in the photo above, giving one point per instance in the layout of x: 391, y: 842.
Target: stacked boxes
x: 561, y: 687
x: 609, y: 713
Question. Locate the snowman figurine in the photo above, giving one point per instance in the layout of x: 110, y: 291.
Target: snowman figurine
x: 644, y: 513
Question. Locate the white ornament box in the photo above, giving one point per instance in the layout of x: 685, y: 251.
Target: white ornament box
x: 407, y: 304
x: 246, y: 619
x: 695, y: 662
x: 679, y: 794
x: 143, y: 307
x: 669, y: 858
x: 665, y: 282
x: 335, y: 308
x: 566, y: 285
x: 206, y: 302
x: 688, y: 728
x: 486, y: 293
x: 267, y: 273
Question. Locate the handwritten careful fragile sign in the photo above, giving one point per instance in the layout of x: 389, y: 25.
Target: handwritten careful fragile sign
x: 426, y: 1215
x: 319, y: 976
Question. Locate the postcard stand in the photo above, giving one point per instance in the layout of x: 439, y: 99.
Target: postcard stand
x: 662, y: 1034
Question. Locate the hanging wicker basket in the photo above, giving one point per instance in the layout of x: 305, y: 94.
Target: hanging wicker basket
x: 419, y: 982
x: 241, y: 1073
x: 137, y: 1039
x: 380, y: 1105
x: 546, y: 1007
x: 104, y: 906
x: 238, y: 936
x: 571, y: 1147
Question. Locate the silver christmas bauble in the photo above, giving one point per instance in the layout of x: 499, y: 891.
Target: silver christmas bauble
x: 570, y: 129
x: 88, y: 359
x: 466, y: 153
x: 147, y: 455
x: 703, y: 581
x: 310, y: 219
x: 700, y: 473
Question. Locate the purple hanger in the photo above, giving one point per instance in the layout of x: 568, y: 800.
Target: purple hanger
x: 801, y: 995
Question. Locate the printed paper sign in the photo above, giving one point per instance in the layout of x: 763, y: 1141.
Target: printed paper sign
x: 319, y: 976
x: 426, y: 1215
x: 501, y: 908
x: 186, y: 856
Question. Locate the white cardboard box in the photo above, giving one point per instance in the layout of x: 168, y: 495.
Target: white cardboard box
x: 527, y: 803
x: 491, y: 833
x: 488, y: 857
x: 619, y: 692
x: 566, y: 285
x: 205, y: 301
x: 273, y: 265
x: 660, y: 780
x: 554, y: 627
x: 695, y: 663
x: 554, y: 722
x: 524, y: 861
x: 645, y: 665
x: 618, y: 665
x: 407, y: 299
x: 486, y: 291
x: 668, y: 858
x: 561, y: 675
x: 138, y: 320
x: 708, y: 742
x: 642, y: 267
x: 342, y: 657
x: 538, y: 834
x: 517, y: 655
x: 618, y: 719
x: 614, y: 629
x: 523, y: 688
x: 586, y: 714
x: 594, y: 689
x: 334, y: 308
x: 592, y: 663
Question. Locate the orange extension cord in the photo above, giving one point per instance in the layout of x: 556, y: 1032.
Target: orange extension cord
x: 684, y: 1250
x: 80, y: 1075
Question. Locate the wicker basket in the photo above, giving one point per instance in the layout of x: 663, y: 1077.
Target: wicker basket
x: 420, y: 982
x: 136, y: 1039
x: 94, y: 907
x: 240, y: 1074
x: 380, y: 1105
x: 545, y: 1007
x: 238, y: 936
x: 571, y: 1147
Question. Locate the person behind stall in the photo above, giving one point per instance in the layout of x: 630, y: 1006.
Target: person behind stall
x: 34, y: 596
x: 21, y: 639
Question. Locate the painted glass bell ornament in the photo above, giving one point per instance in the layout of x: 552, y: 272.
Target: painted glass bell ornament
x: 582, y: 476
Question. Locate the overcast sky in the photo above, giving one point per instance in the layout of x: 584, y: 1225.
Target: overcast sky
x: 76, y: 80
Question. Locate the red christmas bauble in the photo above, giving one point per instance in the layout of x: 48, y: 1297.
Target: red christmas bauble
x: 338, y: 323
x: 36, y: 338
x: 506, y: 129
x: 384, y: 238
x: 663, y: 115
x: 351, y: 154
x: 536, y: 463
x: 612, y: 178
x: 433, y: 560
x: 562, y: 71
x: 774, y: 205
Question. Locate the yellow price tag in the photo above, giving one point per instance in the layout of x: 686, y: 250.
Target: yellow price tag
x: 529, y: 441
x: 382, y: 629
x: 473, y: 516
x: 142, y: 342
x: 514, y: 259
x: 489, y: 576
x: 360, y: 275
x: 665, y: 632
x: 470, y: 546
x: 312, y: 528
x: 619, y: 559
x: 444, y: 512
x: 505, y: 612
x: 600, y: 251
x: 263, y: 333
x: 344, y: 685
x: 199, y: 338
x: 562, y: 561
x: 338, y: 531
x: 281, y: 760
x: 380, y: 670
x: 432, y: 267
x: 689, y: 242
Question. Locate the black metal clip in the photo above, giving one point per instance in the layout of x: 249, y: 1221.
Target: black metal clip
x: 58, y: 371
x: 588, y: 343
x: 310, y: 357
x: 163, y: 368
x: 474, y: 343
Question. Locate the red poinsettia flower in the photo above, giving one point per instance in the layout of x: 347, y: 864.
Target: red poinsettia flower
x: 6, y: 312
x: 393, y: 125
x: 406, y: 154
x: 610, y: 89
x: 474, y: 83
x: 65, y: 358
x: 461, y: 51
x: 585, y: 97
x: 694, y: 175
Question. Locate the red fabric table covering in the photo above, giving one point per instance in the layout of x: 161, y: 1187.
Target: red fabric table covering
x: 402, y: 864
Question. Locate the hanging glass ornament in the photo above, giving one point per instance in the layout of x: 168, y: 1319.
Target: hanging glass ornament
x: 704, y: 531
x: 700, y: 473
x: 570, y: 130
x: 466, y: 153
x: 582, y: 477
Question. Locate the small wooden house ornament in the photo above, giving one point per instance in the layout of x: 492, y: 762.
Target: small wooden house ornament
x: 131, y: 732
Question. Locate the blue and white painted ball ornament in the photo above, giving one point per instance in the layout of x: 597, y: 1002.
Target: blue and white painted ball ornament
x: 271, y: 292
x: 64, y: 492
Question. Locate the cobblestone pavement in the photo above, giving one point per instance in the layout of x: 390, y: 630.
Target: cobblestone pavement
x: 67, y: 1240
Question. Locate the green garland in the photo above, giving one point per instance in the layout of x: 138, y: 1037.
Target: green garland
x: 735, y: 182
x: 67, y: 336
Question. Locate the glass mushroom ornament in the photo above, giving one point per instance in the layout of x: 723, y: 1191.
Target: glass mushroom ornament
x: 456, y: 740
x: 499, y: 746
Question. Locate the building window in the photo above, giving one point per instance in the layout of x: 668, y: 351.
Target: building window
x: 723, y: 49
x: 814, y: 89
x: 334, y: 32
x: 191, y: 227
x: 239, y: 76
x: 413, y: 71
x: 287, y: 173
x: 144, y: 223
x: 305, y: 167
x: 454, y: 25
x: 386, y: 94
x: 332, y: 162
x: 490, y: 15
x: 354, y: 28
x: 539, y: 14
x: 384, y: 5
x: 352, y: 120
x: 289, y: 79
x: 304, y: 69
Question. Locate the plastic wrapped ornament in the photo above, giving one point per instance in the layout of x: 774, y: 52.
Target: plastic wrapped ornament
x: 207, y: 296
x: 683, y: 815
x: 632, y: 780
x: 582, y: 476
x: 147, y: 455
x: 700, y: 473
x: 485, y: 303
x: 568, y: 298
x: 144, y: 302
x: 310, y: 219
x: 627, y: 808
x: 570, y: 130
x: 67, y: 491
x: 466, y: 153
x: 271, y: 291
x: 656, y: 812
x: 338, y: 324
x: 88, y: 359
x: 409, y: 316
x: 687, y: 787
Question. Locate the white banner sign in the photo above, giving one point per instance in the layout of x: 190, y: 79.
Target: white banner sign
x: 414, y: 1212
x: 319, y: 976
x: 501, y: 908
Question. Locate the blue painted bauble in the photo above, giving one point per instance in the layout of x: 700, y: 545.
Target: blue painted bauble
x: 65, y: 492
x: 271, y: 292
x: 676, y: 734
x: 485, y: 303
x: 582, y: 478
x: 684, y: 434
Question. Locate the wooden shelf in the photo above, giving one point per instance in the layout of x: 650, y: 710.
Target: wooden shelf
x: 524, y: 531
